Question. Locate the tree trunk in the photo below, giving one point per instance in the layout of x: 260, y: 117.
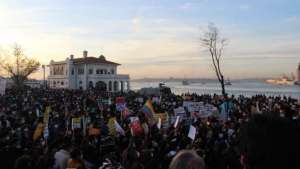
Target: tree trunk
x: 223, y: 86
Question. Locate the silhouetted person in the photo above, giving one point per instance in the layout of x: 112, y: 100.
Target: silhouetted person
x: 187, y: 159
x: 270, y: 142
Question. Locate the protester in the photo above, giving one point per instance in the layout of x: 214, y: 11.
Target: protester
x: 76, y: 161
x: 270, y: 142
x: 187, y: 160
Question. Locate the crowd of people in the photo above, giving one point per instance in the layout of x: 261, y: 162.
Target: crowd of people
x: 255, y: 131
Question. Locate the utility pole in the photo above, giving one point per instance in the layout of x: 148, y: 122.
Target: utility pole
x: 44, y: 76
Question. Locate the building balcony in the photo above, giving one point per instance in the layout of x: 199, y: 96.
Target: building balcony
x: 109, y: 76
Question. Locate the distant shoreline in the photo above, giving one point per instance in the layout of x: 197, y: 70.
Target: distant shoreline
x: 193, y: 80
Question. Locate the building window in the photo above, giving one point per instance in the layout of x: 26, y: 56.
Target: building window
x: 105, y: 71
x: 62, y: 83
x: 97, y: 71
x: 80, y: 82
x: 112, y: 71
x: 80, y: 71
x: 101, y: 71
x: 90, y: 71
x: 72, y: 71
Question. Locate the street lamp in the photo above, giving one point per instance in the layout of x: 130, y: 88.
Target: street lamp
x: 44, y: 76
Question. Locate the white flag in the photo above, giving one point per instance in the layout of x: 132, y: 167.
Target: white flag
x: 119, y: 129
x: 159, y: 123
x: 192, y: 132
x: 177, y: 121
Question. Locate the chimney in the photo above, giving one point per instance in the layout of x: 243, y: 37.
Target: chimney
x: 71, y: 56
x: 85, y: 53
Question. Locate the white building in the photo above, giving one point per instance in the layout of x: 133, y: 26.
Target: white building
x: 87, y: 72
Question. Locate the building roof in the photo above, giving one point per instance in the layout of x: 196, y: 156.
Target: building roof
x: 91, y: 60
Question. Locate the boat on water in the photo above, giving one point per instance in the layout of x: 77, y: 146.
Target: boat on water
x: 185, y: 82
x: 161, y: 84
x: 284, y: 80
x: 227, y: 82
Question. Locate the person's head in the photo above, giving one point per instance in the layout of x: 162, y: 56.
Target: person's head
x: 187, y: 159
x: 23, y: 162
x: 269, y: 142
x: 75, y: 154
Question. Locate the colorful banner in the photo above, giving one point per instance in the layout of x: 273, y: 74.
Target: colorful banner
x: 136, y: 127
x: 148, y: 109
x: 120, y: 103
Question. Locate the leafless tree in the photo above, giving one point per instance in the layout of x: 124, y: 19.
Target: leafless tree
x: 215, y: 44
x: 20, y: 67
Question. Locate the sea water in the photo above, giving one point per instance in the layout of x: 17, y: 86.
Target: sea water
x: 241, y: 87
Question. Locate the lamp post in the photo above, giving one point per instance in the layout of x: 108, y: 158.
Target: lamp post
x: 44, y: 76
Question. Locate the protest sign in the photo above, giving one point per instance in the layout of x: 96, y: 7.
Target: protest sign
x: 192, y: 132
x: 46, y: 132
x: 156, y: 100
x: 135, y: 126
x: 223, y: 112
x: 111, y: 125
x: 140, y: 100
x: 179, y: 112
x: 163, y: 117
x: 76, y: 123
x: 120, y: 103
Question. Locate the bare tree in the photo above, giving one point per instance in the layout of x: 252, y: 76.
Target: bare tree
x: 215, y: 44
x: 20, y: 68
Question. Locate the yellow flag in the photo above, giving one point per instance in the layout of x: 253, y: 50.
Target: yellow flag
x: 38, y: 131
x: 111, y: 126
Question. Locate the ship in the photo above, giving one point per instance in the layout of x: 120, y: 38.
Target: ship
x: 227, y: 82
x: 185, y: 82
x: 283, y: 80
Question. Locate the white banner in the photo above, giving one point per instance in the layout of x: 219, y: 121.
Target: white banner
x: 179, y: 112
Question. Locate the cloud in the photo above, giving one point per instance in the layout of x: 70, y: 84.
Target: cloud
x: 292, y: 19
x: 244, y: 7
x: 186, y: 5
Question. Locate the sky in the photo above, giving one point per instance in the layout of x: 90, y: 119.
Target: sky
x: 158, y: 38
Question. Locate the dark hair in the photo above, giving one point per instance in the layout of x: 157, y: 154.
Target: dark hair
x: 187, y: 159
x: 270, y: 142
x: 23, y: 162
x: 75, y: 153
